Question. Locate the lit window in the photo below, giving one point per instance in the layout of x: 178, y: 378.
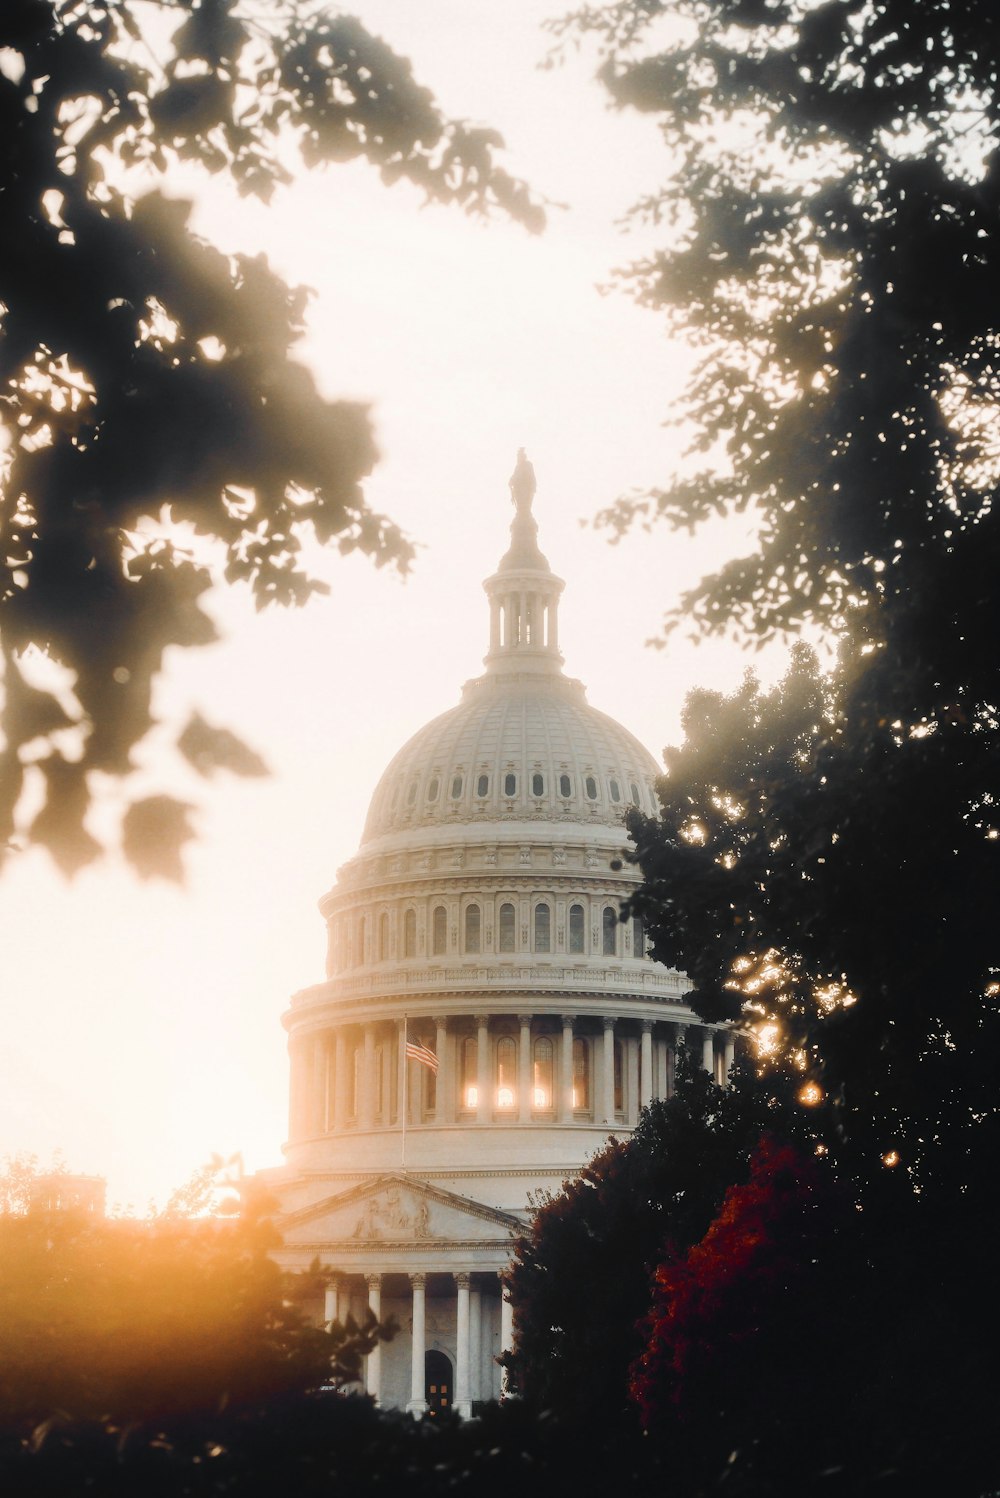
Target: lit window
x: 581, y: 1074
x: 433, y: 788
x: 456, y: 787
x: 609, y: 931
x: 483, y: 785
x: 537, y: 785
x: 507, y: 929
x: 576, y: 928
x: 506, y: 1072
x: 590, y: 788
x: 439, y: 931
x: 410, y: 934
x: 510, y: 784
x: 469, y: 1057
x: 543, y: 928
x: 616, y: 790
x: 565, y: 787
x: 472, y: 928
x: 541, y: 1087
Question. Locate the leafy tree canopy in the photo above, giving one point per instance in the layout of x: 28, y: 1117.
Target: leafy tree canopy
x: 147, y: 380
x: 826, y: 859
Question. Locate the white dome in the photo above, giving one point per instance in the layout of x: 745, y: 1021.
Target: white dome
x: 517, y: 747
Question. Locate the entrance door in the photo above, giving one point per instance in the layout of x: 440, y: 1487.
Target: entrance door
x: 437, y: 1383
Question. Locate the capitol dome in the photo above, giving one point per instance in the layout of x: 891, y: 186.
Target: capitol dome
x: 488, y: 1017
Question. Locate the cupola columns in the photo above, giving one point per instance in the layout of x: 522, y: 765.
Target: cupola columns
x: 523, y: 592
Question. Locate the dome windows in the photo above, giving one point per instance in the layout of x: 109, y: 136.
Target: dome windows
x: 508, y: 928
x: 576, y: 928
x: 543, y: 929
x: 537, y: 784
x: 473, y: 928
x: 581, y: 1074
x: 433, y: 789
x: 565, y: 787
x: 590, y: 788
x: 638, y: 937
x: 609, y: 932
x: 439, y: 931
x: 410, y: 933
x: 615, y: 791
x: 542, y: 1075
x: 457, y: 784
x: 482, y: 786
x: 411, y: 794
x: 510, y: 784
x: 506, y: 1074
x: 634, y: 794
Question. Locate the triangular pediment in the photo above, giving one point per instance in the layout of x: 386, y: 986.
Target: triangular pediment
x: 399, y: 1210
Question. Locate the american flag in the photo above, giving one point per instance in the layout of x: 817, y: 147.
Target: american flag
x: 421, y: 1053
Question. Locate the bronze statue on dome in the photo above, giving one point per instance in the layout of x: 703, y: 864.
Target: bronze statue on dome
x: 522, y: 484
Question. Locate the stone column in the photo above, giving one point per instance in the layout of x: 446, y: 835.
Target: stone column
x: 608, y: 1071
x: 366, y: 1102
x: 494, y: 624
x: 708, y: 1052
x: 524, y: 1071
x: 506, y: 1333
x: 331, y: 1300
x: 463, y: 1403
x: 646, y: 1063
x: 476, y: 1344
x: 341, y: 1080
x: 730, y: 1054
x: 417, y: 1404
x: 402, y: 1098
x: 566, y: 1068
x: 373, y: 1381
x: 444, y: 1089
x: 483, y: 1079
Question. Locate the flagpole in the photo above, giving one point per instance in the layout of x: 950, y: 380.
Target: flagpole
x: 406, y: 1072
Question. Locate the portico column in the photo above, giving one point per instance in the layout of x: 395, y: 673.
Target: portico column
x: 730, y: 1055
x: 366, y: 1103
x: 524, y: 1070
x: 646, y: 1063
x: 331, y: 1300
x: 374, y: 1372
x: 483, y: 1109
x: 340, y: 1089
x: 506, y: 1334
x: 444, y: 1088
x: 708, y: 1051
x: 475, y: 1344
x: 608, y: 1071
x: 417, y: 1404
x: 463, y: 1404
x: 566, y: 1059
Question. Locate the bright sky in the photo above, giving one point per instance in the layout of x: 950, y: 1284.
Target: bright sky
x: 141, y: 1023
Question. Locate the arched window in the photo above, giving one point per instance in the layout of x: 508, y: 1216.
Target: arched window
x: 576, y: 928
x: 439, y: 931
x: 472, y: 928
x: 619, y: 1077
x: 616, y: 790
x: 581, y: 1073
x: 638, y: 937
x: 467, y: 1071
x: 359, y: 943
x: 634, y: 793
x: 507, y: 929
x: 565, y: 787
x: 543, y: 929
x: 433, y: 788
x: 383, y: 937
x: 506, y: 1063
x: 537, y: 784
x: 541, y: 1082
x: 510, y: 784
x: 609, y: 931
x: 456, y: 786
x: 590, y: 788
x: 483, y: 785
x: 410, y: 933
